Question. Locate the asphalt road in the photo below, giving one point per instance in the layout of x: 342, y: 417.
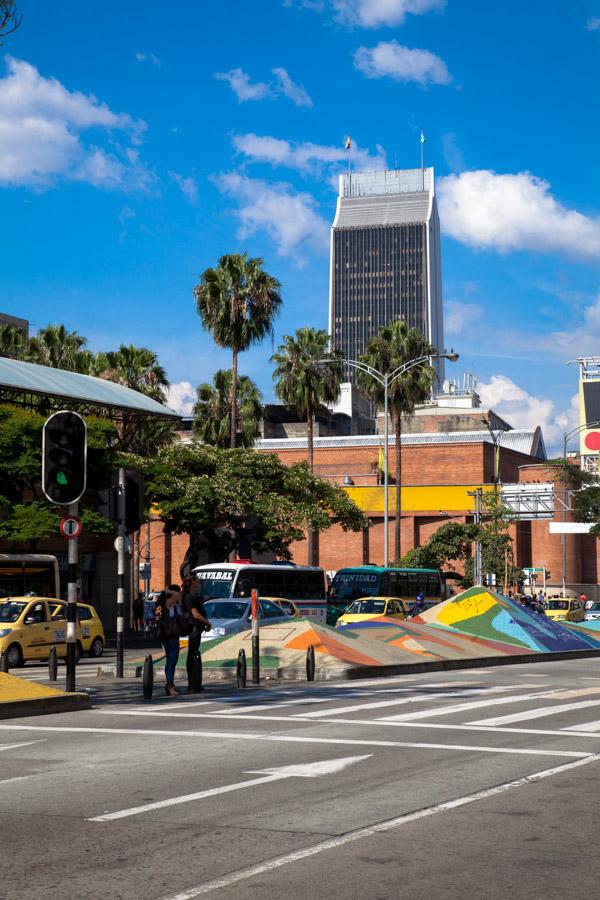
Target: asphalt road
x: 473, y: 784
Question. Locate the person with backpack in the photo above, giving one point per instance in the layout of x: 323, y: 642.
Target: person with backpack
x: 169, y: 631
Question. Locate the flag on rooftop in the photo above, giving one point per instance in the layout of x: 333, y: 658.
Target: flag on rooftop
x: 347, y: 143
x: 423, y: 138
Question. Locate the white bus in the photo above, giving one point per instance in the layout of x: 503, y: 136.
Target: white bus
x: 23, y: 573
x: 305, y: 585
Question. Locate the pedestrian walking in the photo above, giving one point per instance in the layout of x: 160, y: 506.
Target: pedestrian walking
x: 168, y: 633
x: 192, y: 605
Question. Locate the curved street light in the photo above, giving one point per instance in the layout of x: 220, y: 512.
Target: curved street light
x: 386, y: 379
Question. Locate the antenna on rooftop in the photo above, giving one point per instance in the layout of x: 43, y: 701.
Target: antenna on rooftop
x: 422, y: 141
x: 348, y: 149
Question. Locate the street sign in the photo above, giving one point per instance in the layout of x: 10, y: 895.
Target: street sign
x: 71, y: 527
x: 122, y: 544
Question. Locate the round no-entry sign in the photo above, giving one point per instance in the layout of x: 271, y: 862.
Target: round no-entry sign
x: 70, y: 526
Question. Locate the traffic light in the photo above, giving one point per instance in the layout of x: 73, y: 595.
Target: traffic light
x: 64, y: 458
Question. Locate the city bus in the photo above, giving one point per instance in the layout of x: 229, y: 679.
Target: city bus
x: 24, y: 573
x: 305, y: 585
x: 381, y: 581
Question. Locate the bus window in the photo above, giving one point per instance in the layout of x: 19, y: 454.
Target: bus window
x: 29, y: 573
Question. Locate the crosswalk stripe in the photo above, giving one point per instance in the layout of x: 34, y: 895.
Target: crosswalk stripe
x: 587, y: 726
x: 466, y: 707
x: 538, y: 713
x: 414, y: 698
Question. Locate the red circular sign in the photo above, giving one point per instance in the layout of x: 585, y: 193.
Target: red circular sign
x: 592, y: 440
x: 70, y: 527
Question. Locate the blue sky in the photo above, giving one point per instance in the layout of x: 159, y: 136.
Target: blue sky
x: 138, y: 145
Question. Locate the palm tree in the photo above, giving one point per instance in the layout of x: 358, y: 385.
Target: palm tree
x: 237, y: 302
x: 58, y: 348
x: 394, y: 345
x: 301, y: 382
x: 13, y: 343
x: 304, y: 384
x: 134, y: 367
x: 212, y: 411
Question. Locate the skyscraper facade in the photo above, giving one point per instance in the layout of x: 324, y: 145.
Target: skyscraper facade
x: 385, y: 258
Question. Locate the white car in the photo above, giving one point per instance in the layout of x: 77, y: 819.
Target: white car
x: 592, y: 612
x: 230, y: 616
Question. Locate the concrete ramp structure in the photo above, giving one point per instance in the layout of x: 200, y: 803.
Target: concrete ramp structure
x: 485, y: 614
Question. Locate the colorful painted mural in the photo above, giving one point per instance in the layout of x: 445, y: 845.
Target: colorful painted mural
x: 485, y: 614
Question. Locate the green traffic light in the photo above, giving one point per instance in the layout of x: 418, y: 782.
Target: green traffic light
x: 61, y: 478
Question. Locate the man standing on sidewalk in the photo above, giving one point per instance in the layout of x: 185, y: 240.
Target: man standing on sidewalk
x: 192, y: 605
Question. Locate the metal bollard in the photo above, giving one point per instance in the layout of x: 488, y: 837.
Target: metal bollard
x: 196, y: 674
x: 310, y: 663
x: 52, y: 665
x: 241, y: 669
x: 3, y: 662
x: 148, y: 677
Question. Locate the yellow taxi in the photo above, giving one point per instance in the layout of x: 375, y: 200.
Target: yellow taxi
x: 28, y: 630
x: 371, y: 608
x: 568, y: 608
x: 287, y: 606
x: 93, y: 639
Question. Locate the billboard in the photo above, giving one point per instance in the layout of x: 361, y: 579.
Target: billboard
x: 589, y: 409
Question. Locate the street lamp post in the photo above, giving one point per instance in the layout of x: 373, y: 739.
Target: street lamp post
x: 496, y: 437
x: 386, y: 379
x: 563, y: 538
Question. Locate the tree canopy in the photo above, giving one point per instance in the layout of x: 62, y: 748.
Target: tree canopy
x: 212, y: 410
x: 241, y: 501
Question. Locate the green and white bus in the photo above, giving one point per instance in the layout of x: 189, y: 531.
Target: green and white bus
x: 385, y: 581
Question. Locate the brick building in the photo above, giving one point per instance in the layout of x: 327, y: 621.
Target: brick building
x: 438, y: 471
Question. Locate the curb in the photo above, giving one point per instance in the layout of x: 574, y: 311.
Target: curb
x: 44, y: 706
x: 446, y: 665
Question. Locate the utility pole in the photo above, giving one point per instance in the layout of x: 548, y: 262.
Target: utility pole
x: 121, y: 540
x: 477, y: 495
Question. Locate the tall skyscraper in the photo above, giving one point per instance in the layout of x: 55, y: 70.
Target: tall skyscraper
x: 385, y: 258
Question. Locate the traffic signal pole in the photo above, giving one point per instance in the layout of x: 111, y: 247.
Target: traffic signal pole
x: 121, y: 572
x: 73, y: 548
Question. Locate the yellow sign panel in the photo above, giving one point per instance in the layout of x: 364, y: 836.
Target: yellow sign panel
x: 434, y: 497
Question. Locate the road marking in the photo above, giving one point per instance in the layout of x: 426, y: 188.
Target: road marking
x: 369, y: 831
x: 17, y: 778
x: 573, y: 731
x: 290, y: 739
x: 308, y: 770
x: 25, y: 744
x: 379, y: 704
x: 538, y: 713
x: 466, y: 707
x: 587, y: 726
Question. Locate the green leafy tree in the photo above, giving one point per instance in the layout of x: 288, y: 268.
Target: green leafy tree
x: 241, y: 500
x: 58, y: 348
x: 300, y: 380
x: 237, y: 302
x: 395, y: 345
x: 212, y: 411
x: 13, y: 343
x: 451, y: 542
x: 137, y: 368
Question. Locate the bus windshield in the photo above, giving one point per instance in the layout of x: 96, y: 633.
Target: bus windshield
x: 352, y: 585
x: 215, y: 583
x: 22, y: 575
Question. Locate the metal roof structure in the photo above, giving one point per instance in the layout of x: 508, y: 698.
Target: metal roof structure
x: 530, y: 443
x: 22, y: 382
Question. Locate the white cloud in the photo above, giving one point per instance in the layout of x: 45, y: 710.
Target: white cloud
x: 592, y: 24
x: 148, y: 57
x: 294, y: 92
x: 314, y: 159
x: 391, y: 59
x: 289, y: 218
x: 181, y: 397
x: 187, y: 186
x: 240, y: 83
x: 523, y: 410
x: 459, y: 316
x: 372, y: 13
x: 514, y: 212
x: 41, y: 135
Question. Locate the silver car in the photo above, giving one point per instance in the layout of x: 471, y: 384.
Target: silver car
x: 230, y: 616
